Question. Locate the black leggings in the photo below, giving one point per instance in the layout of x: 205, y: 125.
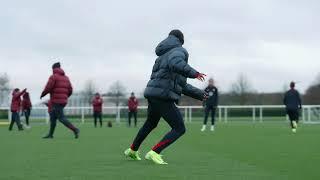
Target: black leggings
x: 293, y: 116
x: 27, y: 113
x: 134, y: 113
x: 171, y: 114
x: 96, y: 116
x: 15, y: 118
x: 57, y: 113
x: 207, y: 110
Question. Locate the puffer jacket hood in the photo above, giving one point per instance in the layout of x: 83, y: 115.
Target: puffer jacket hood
x: 166, y: 45
x: 58, y: 71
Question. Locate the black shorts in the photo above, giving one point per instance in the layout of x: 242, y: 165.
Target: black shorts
x: 293, y: 114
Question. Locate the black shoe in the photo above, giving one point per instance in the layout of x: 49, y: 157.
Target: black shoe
x: 48, y: 137
x: 76, y: 133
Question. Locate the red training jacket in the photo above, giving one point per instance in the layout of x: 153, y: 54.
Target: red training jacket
x: 26, y: 102
x: 16, y: 101
x: 97, y: 103
x: 133, y: 104
x: 59, y: 87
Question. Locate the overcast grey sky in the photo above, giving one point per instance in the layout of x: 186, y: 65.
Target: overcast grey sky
x: 271, y: 41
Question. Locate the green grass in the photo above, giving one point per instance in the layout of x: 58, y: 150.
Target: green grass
x: 236, y: 151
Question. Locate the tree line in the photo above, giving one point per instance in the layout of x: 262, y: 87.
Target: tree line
x: 240, y: 93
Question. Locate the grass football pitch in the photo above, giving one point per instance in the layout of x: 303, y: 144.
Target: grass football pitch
x: 235, y: 151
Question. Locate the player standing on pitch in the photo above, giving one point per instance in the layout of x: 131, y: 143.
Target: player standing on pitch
x: 97, y: 103
x: 210, y: 104
x: 15, y: 108
x: 292, y: 101
x: 133, y: 109
x: 60, y: 89
x: 168, y: 81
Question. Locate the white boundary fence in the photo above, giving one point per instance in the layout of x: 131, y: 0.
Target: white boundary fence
x: 307, y: 113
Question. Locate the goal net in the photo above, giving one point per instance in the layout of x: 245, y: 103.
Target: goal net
x: 311, y: 114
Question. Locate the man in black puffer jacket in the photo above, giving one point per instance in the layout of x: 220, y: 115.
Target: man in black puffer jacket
x: 168, y: 81
x: 292, y: 101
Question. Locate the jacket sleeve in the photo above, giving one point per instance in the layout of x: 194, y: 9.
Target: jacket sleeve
x: 177, y: 63
x: 49, y: 86
x: 70, y: 89
x: 193, y: 92
x: 20, y: 94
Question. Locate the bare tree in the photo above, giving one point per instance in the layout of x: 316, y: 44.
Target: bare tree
x: 312, y: 95
x: 116, y: 91
x: 88, y: 91
x: 4, y: 89
x: 317, y: 81
x: 241, y: 89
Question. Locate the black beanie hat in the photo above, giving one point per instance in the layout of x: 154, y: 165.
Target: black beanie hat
x: 56, y: 65
x: 177, y: 33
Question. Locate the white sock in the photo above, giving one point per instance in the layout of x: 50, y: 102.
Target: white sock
x: 212, y: 127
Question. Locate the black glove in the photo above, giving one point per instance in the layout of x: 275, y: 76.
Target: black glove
x: 205, y: 96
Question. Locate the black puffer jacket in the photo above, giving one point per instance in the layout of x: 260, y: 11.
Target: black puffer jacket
x: 292, y: 100
x: 170, y: 72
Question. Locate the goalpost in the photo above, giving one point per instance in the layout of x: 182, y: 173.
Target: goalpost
x: 311, y: 114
